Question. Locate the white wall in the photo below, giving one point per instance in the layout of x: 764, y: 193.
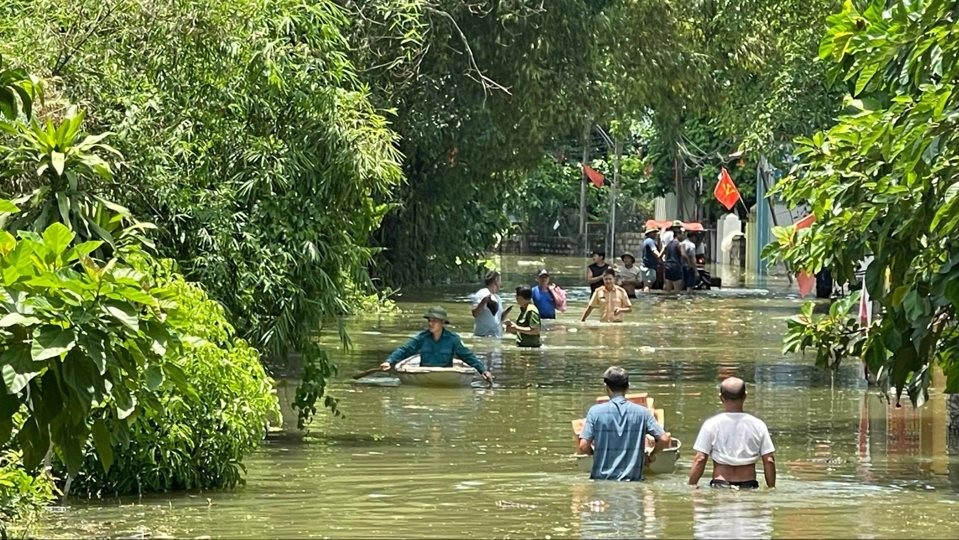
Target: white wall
x: 727, y: 228
x: 665, y: 207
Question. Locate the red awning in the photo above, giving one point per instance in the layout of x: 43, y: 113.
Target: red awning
x: 691, y: 226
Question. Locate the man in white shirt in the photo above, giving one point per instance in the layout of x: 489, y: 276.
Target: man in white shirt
x: 487, y: 308
x: 735, y: 441
x: 629, y: 276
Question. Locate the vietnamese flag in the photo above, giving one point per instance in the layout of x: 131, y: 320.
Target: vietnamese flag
x: 804, y: 279
x: 594, y: 176
x: 725, y: 191
x: 805, y: 222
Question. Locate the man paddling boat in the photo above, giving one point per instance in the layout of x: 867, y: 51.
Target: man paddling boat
x: 437, y: 346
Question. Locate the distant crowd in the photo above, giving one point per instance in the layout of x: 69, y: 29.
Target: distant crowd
x: 673, y: 262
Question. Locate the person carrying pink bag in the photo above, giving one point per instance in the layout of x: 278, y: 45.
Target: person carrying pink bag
x: 548, y: 297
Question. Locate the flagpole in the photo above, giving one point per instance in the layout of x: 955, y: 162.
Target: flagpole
x: 742, y: 202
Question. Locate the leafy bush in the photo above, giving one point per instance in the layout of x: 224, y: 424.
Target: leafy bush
x: 883, y: 182
x: 77, y: 339
x: 22, y: 495
x: 195, y: 439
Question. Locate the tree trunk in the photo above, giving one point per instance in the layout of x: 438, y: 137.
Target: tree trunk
x: 952, y: 407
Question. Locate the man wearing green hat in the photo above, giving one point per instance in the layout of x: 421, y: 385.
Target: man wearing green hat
x: 437, y: 346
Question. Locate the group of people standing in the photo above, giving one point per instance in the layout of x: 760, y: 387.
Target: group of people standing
x: 540, y: 301
x: 675, y: 252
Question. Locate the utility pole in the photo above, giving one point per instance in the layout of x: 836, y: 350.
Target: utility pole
x: 614, y: 193
x: 582, y: 187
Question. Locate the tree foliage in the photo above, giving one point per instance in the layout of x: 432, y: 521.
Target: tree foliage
x: 883, y: 183
x: 249, y: 141
x: 764, y: 86
x: 195, y: 439
x: 478, y: 93
x: 77, y: 337
x: 114, y: 368
x: 547, y: 195
x: 23, y: 496
x: 482, y: 90
x: 53, y: 172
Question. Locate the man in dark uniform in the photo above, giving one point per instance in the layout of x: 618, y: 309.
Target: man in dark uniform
x: 437, y: 346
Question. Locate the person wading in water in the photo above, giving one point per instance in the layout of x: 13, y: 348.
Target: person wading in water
x: 595, y: 271
x: 615, y: 432
x: 546, y: 296
x: 650, y: 257
x: 527, y: 325
x: 610, y: 298
x: 673, y: 261
x: 487, y: 308
x: 736, y: 441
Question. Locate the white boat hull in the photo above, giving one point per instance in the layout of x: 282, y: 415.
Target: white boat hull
x: 410, y: 372
x: 665, y: 461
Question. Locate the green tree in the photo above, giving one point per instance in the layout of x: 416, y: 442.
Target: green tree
x: 764, y: 86
x: 884, y: 183
x: 105, y: 348
x: 249, y: 141
x: 196, y: 439
x: 76, y: 337
x: 18, y: 90
x: 478, y: 94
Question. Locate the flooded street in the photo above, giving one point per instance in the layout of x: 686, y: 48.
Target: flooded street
x: 478, y: 462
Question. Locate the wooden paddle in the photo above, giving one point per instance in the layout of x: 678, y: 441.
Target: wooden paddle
x: 370, y: 371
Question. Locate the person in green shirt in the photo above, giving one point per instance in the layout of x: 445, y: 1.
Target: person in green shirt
x: 437, y: 346
x: 527, y: 324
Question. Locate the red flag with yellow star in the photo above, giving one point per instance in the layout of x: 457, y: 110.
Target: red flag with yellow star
x: 726, y: 192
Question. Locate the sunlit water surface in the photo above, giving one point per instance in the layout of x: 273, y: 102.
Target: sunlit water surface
x: 417, y: 462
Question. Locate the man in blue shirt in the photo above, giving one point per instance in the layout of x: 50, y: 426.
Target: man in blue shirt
x: 543, y: 297
x: 615, y: 432
x: 437, y: 346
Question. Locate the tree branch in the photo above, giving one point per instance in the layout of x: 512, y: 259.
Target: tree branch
x: 485, y: 81
x: 64, y: 57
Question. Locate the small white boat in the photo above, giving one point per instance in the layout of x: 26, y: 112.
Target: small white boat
x: 665, y: 461
x: 410, y: 372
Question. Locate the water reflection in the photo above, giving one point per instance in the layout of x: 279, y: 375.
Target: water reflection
x: 615, y: 510
x: 731, y: 514
x: 477, y: 462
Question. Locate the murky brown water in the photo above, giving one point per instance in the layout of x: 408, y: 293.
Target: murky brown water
x: 415, y: 462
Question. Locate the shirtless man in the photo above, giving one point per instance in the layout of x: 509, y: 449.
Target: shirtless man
x: 735, y: 440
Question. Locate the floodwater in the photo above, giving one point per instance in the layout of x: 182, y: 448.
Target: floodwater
x: 480, y: 463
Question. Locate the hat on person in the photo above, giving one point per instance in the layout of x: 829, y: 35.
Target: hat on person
x: 436, y: 312
x: 542, y: 273
x: 651, y: 230
x: 676, y: 224
x: 627, y: 254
